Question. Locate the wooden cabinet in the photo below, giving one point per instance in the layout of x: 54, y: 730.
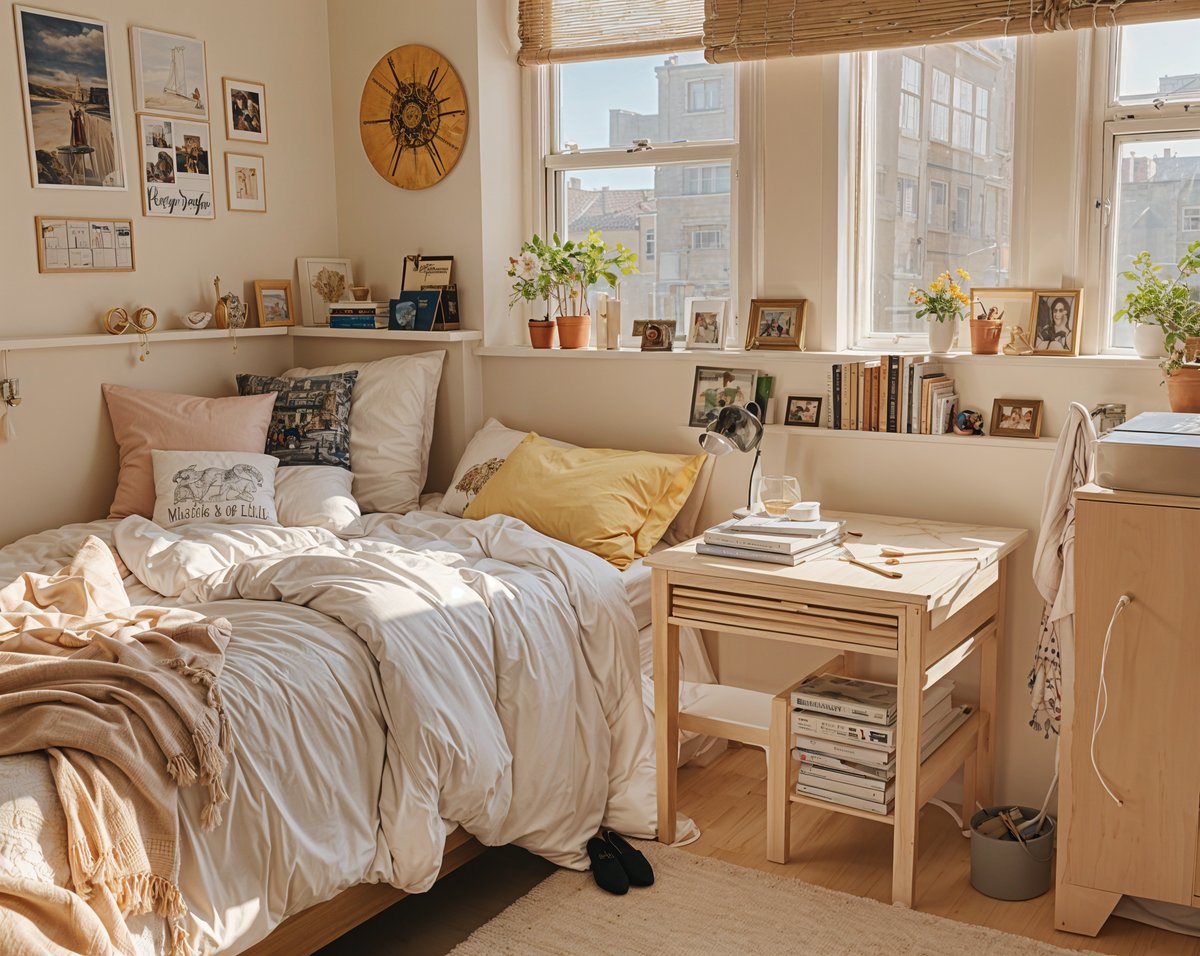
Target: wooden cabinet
x: 1142, y: 546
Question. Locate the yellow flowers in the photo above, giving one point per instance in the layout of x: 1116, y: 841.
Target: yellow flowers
x: 963, y: 274
x: 944, y: 300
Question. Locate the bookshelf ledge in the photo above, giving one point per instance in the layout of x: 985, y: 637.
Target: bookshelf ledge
x: 389, y: 335
x: 90, y: 339
x: 1044, y: 443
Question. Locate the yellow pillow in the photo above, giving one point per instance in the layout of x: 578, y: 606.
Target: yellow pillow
x: 616, y: 504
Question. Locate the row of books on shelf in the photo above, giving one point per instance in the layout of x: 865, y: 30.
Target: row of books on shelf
x: 844, y: 737
x: 904, y: 394
x: 424, y: 310
x: 776, y: 540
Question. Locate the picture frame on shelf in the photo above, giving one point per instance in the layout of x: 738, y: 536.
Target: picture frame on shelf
x: 777, y: 324
x: 170, y: 74
x: 245, y: 105
x: 245, y: 182
x: 327, y: 274
x: 715, y: 388
x: 274, y: 300
x: 803, y: 411
x: 655, y: 335
x: 420, y: 272
x: 73, y: 132
x: 1054, y: 316
x: 176, y: 173
x: 1013, y: 303
x: 705, y: 322
x: 1016, y: 418
x: 84, y: 244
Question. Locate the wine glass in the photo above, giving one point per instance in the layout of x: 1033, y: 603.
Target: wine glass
x: 777, y: 493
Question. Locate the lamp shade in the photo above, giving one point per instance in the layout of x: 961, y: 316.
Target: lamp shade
x: 732, y: 428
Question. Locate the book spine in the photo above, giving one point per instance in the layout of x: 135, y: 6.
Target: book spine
x: 845, y: 709
x: 352, y: 321
x: 818, y: 759
x: 869, y: 735
x: 729, y: 540
x: 893, y: 393
x: 859, y: 781
x: 843, y: 799
x: 724, y: 551
x: 851, y: 788
x: 837, y: 748
x: 836, y: 401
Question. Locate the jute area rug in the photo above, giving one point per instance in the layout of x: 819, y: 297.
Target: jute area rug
x: 705, y: 907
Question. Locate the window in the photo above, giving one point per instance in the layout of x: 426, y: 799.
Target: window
x: 910, y: 96
x: 1152, y: 136
x: 954, y: 170
x: 704, y: 95
x: 672, y: 204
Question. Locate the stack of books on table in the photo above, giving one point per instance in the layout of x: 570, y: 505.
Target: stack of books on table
x: 358, y: 315
x: 777, y: 540
x: 844, y: 735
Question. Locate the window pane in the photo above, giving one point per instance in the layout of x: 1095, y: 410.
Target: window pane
x: 1159, y: 60
x: 958, y: 170
x: 682, y: 238
x: 1157, y: 210
x: 664, y: 99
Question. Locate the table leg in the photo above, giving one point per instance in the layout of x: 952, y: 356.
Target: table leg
x: 989, y: 657
x: 779, y: 765
x: 666, y: 706
x: 910, y: 677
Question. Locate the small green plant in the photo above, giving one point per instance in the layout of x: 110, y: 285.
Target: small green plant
x: 1168, y: 303
x: 944, y: 300
x: 561, y: 272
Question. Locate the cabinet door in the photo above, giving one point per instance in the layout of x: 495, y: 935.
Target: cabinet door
x: 1146, y: 748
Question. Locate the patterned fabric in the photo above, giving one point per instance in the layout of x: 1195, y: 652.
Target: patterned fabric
x: 311, y: 423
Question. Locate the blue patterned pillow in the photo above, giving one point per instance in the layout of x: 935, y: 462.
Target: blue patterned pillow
x: 311, y: 421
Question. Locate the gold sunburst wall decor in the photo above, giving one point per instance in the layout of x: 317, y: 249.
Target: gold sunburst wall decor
x: 413, y: 117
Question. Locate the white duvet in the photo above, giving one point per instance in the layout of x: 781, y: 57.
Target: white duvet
x: 433, y: 672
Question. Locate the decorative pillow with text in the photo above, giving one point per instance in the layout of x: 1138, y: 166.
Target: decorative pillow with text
x: 213, y: 487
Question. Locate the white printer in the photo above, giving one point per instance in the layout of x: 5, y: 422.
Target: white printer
x: 1156, y: 452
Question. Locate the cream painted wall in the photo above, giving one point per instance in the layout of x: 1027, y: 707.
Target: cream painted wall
x: 61, y: 466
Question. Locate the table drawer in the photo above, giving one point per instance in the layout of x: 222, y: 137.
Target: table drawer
x: 783, y: 611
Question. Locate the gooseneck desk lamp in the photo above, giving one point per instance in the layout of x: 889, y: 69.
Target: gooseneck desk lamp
x: 735, y: 428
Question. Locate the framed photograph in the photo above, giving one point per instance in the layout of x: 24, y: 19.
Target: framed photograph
x: 72, y: 244
x: 1012, y: 307
x: 274, y: 298
x: 245, y: 110
x: 803, y: 410
x: 423, y: 272
x: 1054, y: 316
x: 714, y: 388
x: 71, y: 127
x: 705, y: 322
x: 776, y: 324
x: 169, y: 74
x: 176, y: 173
x: 1017, y: 417
x: 245, y: 183
x: 322, y: 280
x: 655, y: 335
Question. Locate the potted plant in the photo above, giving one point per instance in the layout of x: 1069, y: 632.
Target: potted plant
x: 1170, y: 305
x: 532, y: 283
x: 561, y: 273
x: 944, y: 303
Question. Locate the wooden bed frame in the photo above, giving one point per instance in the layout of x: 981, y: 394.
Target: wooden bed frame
x: 305, y: 932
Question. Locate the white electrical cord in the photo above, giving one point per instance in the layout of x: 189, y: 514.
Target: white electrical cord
x: 953, y: 813
x: 1102, y: 691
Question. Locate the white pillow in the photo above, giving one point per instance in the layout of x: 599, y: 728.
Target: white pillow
x: 213, y: 487
x: 482, y: 458
x: 316, y: 496
x: 391, y: 426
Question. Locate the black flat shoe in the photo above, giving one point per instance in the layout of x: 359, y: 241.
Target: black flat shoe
x: 608, y: 873
x: 632, y: 861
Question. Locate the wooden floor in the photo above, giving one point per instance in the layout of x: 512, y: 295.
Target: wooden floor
x: 727, y: 800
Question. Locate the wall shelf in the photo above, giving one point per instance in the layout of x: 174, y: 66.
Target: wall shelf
x: 129, y: 338
x: 977, y: 441
x: 390, y: 335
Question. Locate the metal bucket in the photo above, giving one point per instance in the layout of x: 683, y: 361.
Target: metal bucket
x: 1007, y: 869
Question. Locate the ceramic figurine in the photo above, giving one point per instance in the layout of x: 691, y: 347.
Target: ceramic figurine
x: 968, y: 422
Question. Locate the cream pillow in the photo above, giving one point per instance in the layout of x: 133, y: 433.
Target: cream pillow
x: 142, y: 420
x: 616, y: 504
x: 391, y: 426
x: 316, y: 496
x: 213, y: 487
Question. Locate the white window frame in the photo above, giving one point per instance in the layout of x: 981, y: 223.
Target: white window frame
x: 705, y: 83
x: 1189, y: 214
x: 699, y: 232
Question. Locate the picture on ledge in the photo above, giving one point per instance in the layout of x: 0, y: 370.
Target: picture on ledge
x: 803, y: 410
x: 1011, y: 306
x: 73, y: 133
x: 245, y: 183
x: 1054, y: 316
x: 1017, y: 418
x: 84, y: 245
x: 776, y: 324
x: 421, y: 272
x: 715, y: 388
x: 169, y: 74
x: 274, y: 299
x: 655, y: 335
x: 322, y: 281
x: 245, y: 110
x: 705, y: 322
x: 176, y: 168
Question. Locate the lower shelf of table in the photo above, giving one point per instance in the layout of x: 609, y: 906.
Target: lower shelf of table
x: 888, y: 818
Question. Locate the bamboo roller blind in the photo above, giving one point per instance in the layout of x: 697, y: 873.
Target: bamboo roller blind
x: 760, y: 29
x: 557, y: 31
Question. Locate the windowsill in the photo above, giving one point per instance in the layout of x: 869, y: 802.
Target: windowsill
x: 1044, y: 443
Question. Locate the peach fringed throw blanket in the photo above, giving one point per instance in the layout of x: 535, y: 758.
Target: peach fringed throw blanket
x: 125, y: 700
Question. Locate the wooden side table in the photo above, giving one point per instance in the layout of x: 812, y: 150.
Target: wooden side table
x: 928, y: 621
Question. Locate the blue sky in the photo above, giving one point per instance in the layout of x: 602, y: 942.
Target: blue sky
x: 59, y: 49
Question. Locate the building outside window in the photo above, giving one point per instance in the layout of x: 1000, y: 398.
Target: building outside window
x: 707, y: 239
x: 703, y: 95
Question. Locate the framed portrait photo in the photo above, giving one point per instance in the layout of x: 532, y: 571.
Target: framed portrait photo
x: 322, y: 280
x: 71, y: 125
x: 776, y: 324
x: 170, y: 75
x: 1017, y: 418
x: 804, y: 411
x: 274, y: 299
x: 245, y: 109
x: 705, y: 322
x: 245, y: 183
x: 715, y: 388
x: 1054, y: 316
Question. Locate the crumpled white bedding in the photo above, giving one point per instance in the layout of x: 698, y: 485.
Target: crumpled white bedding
x: 467, y: 620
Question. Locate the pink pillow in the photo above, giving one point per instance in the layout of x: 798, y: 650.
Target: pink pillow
x: 143, y: 420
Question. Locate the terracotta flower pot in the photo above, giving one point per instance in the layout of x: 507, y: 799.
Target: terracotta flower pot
x: 574, y: 331
x: 985, y: 336
x: 941, y: 336
x: 541, y: 334
x: 1183, y: 389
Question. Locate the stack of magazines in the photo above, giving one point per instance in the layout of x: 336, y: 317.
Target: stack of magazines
x: 844, y: 735
x: 777, y: 540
